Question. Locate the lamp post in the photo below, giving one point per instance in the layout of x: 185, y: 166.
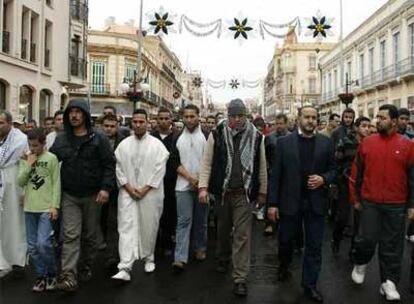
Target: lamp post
x: 135, y: 89
x: 347, y: 97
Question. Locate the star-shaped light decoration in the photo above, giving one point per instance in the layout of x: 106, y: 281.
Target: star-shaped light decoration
x: 161, y: 23
x: 234, y: 84
x: 319, y: 26
x: 197, y: 82
x: 240, y: 28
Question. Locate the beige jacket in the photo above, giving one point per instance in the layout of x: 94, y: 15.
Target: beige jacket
x: 206, y: 163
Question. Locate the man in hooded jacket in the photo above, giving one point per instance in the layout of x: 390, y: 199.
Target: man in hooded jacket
x: 88, y: 176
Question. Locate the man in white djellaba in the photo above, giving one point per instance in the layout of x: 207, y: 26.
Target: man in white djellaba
x: 13, y: 144
x: 140, y: 169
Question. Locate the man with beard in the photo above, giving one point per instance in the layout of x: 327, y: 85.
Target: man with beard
x: 13, y: 144
x: 383, y: 191
x: 87, y: 177
x: 303, y: 166
x: 347, y: 124
x: 141, y: 164
x: 168, y: 220
x: 108, y: 222
x: 280, y: 130
x: 403, y: 120
x: 234, y: 170
x: 344, y: 156
x: 48, y: 124
x: 333, y: 123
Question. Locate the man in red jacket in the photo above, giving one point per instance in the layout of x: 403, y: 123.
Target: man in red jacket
x: 384, y: 190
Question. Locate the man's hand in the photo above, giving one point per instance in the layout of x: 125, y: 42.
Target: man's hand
x: 53, y: 214
x: 410, y: 214
x: 273, y: 214
x: 261, y: 199
x: 358, y: 206
x: 142, y: 192
x: 203, y: 196
x: 315, y: 181
x: 31, y: 159
x: 194, y: 182
x: 103, y: 197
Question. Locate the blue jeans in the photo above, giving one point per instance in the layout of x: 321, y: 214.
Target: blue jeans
x: 190, y: 214
x: 39, y: 233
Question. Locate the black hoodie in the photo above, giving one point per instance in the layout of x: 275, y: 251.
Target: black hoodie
x: 86, y: 168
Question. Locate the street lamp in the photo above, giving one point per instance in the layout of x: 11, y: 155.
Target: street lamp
x: 347, y: 97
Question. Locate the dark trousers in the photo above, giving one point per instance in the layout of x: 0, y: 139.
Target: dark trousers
x: 313, y: 225
x: 342, y: 211
x: 381, y: 225
x: 111, y: 231
x: 168, y: 221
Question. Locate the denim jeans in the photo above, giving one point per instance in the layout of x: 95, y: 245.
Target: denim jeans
x: 39, y: 233
x: 190, y: 214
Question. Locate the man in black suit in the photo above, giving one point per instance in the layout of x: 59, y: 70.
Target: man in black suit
x: 303, y: 167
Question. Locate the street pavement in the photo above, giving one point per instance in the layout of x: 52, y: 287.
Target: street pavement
x: 200, y: 284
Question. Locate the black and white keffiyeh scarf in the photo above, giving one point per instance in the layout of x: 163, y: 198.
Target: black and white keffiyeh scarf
x: 247, y: 152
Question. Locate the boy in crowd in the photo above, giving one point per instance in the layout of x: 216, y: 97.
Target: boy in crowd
x: 40, y: 175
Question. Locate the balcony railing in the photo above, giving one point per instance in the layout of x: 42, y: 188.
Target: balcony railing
x: 77, y: 67
x: 24, y: 49
x: 47, y: 58
x: 33, y: 52
x: 152, y: 98
x: 78, y: 10
x: 390, y: 73
x: 100, y: 89
x: 6, y: 42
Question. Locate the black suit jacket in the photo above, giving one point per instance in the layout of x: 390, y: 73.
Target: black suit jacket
x: 285, y: 179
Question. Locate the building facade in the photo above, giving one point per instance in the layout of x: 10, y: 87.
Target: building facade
x: 377, y: 58
x: 192, y: 93
x: 293, y: 77
x: 42, y: 54
x: 112, y: 61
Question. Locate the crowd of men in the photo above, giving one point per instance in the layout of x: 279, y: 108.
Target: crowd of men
x: 72, y: 187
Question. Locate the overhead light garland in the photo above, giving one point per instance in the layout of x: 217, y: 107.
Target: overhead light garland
x: 319, y: 26
x: 240, y: 28
x: 164, y: 23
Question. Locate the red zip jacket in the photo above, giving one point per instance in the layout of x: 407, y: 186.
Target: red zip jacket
x: 383, y: 170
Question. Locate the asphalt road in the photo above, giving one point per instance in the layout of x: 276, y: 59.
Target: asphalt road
x: 200, y: 284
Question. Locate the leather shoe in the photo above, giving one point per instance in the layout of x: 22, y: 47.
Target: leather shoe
x: 284, y: 274
x: 314, y: 295
x: 222, y: 266
x: 335, y: 245
x: 240, y: 289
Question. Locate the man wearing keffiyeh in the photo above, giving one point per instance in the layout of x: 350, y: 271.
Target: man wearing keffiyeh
x: 234, y: 170
x: 13, y: 144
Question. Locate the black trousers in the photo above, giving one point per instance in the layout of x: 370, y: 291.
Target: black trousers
x: 313, y: 225
x: 111, y: 230
x: 168, y: 221
x: 342, y: 211
x: 382, y: 225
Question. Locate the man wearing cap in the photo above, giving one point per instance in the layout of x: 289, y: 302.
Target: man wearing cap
x: 234, y: 170
x: 19, y: 123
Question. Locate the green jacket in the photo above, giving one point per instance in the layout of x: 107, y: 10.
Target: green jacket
x: 41, y: 183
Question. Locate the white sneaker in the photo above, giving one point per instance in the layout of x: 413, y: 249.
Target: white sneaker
x: 122, y: 275
x: 389, y: 290
x: 358, y: 274
x: 149, y: 267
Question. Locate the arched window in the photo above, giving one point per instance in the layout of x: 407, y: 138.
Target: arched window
x: 26, y: 102
x: 45, y: 104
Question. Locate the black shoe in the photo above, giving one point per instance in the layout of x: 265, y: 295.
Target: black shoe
x: 314, y: 295
x: 222, y: 267
x: 335, y: 245
x: 284, y: 274
x: 85, y: 274
x: 240, y: 289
